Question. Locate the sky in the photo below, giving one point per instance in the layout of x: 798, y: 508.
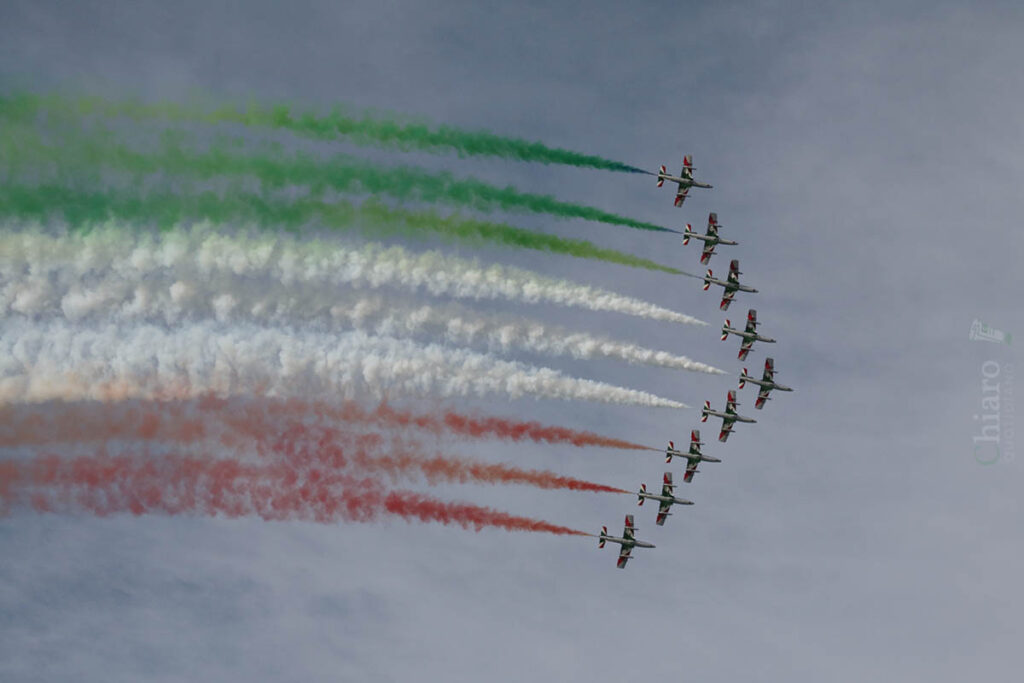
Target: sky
x: 867, y: 157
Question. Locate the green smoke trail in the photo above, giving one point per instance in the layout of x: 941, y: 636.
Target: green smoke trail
x: 83, y: 209
x: 341, y: 173
x: 378, y: 130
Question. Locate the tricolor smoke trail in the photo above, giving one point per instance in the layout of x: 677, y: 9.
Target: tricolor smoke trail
x: 204, y: 253
x: 340, y: 173
x: 83, y: 209
x: 41, y: 282
x: 215, y: 419
x: 377, y: 130
x: 176, y: 485
x: 43, y: 362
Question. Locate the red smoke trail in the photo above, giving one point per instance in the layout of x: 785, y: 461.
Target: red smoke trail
x: 308, y: 446
x: 188, y: 420
x: 173, y: 485
x: 301, y: 444
x: 409, y: 504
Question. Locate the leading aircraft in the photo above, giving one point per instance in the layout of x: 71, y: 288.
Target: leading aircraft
x: 628, y: 541
x: 767, y: 382
x: 693, y: 457
x: 748, y: 335
x: 710, y: 239
x: 731, y: 284
x: 665, y: 500
x: 684, y: 180
x: 729, y: 417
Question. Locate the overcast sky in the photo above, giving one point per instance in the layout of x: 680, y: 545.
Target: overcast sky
x: 868, y: 157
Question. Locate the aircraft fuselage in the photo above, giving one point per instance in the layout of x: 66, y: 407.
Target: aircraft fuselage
x: 749, y: 336
x: 627, y: 542
x: 728, y: 416
x: 683, y: 182
x: 666, y: 499
x: 769, y: 385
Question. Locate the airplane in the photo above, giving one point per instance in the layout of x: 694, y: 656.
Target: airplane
x: 628, y: 542
x: 684, y: 180
x: 731, y: 285
x: 693, y: 457
x: 749, y: 335
x: 710, y: 239
x: 767, y: 382
x: 728, y: 417
x: 665, y: 500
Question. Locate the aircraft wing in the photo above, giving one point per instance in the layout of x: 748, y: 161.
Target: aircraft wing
x: 751, y: 321
x: 709, y: 249
x: 681, y: 194
x: 769, y: 370
x: 624, y: 556
x: 662, y: 513
x: 734, y: 272
x: 727, y: 296
x: 727, y: 424
x: 745, y: 347
x: 762, y: 397
x: 712, y: 224
x: 691, y: 469
x: 627, y: 531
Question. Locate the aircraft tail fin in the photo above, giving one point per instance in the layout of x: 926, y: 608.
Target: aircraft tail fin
x: 743, y: 378
x: 725, y: 334
x: 661, y: 173
x: 686, y: 234
x: 707, y: 280
x: 643, y: 489
x: 604, y: 532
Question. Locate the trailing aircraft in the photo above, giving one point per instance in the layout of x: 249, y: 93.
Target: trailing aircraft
x: 710, y: 239
x: 767, y: 383
x: 730, y: 285
x: 693, y: 457
x: 628, y: 542
x: 749, y: 335
x: 665, y: 501
x: 729, y: 417
x: 684, y: 180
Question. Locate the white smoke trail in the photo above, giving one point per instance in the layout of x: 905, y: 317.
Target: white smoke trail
x: 47, y: 286
x: 59, y: 360
x: 201, y: 251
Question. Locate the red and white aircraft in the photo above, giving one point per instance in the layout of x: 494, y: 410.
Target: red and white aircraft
x: 710, y: 239
x: 730, y: 285
x: 684, y: 180
x: 693, y: 456
x: 748, y: 335
x: 628, y: 542
x: 729, y: 417
x: 767, y: 383
x: 665, y: 501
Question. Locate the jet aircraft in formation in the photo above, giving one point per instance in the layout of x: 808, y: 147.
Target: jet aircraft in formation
x: 730, y: 285
x: 627, y: 542
x: 729, y: 417
x: 665, y: 501
x: 767, y: 382
x: 749, y: 335
x: 710, y: 239
x: 693, y: 457
x: 684, y: 180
